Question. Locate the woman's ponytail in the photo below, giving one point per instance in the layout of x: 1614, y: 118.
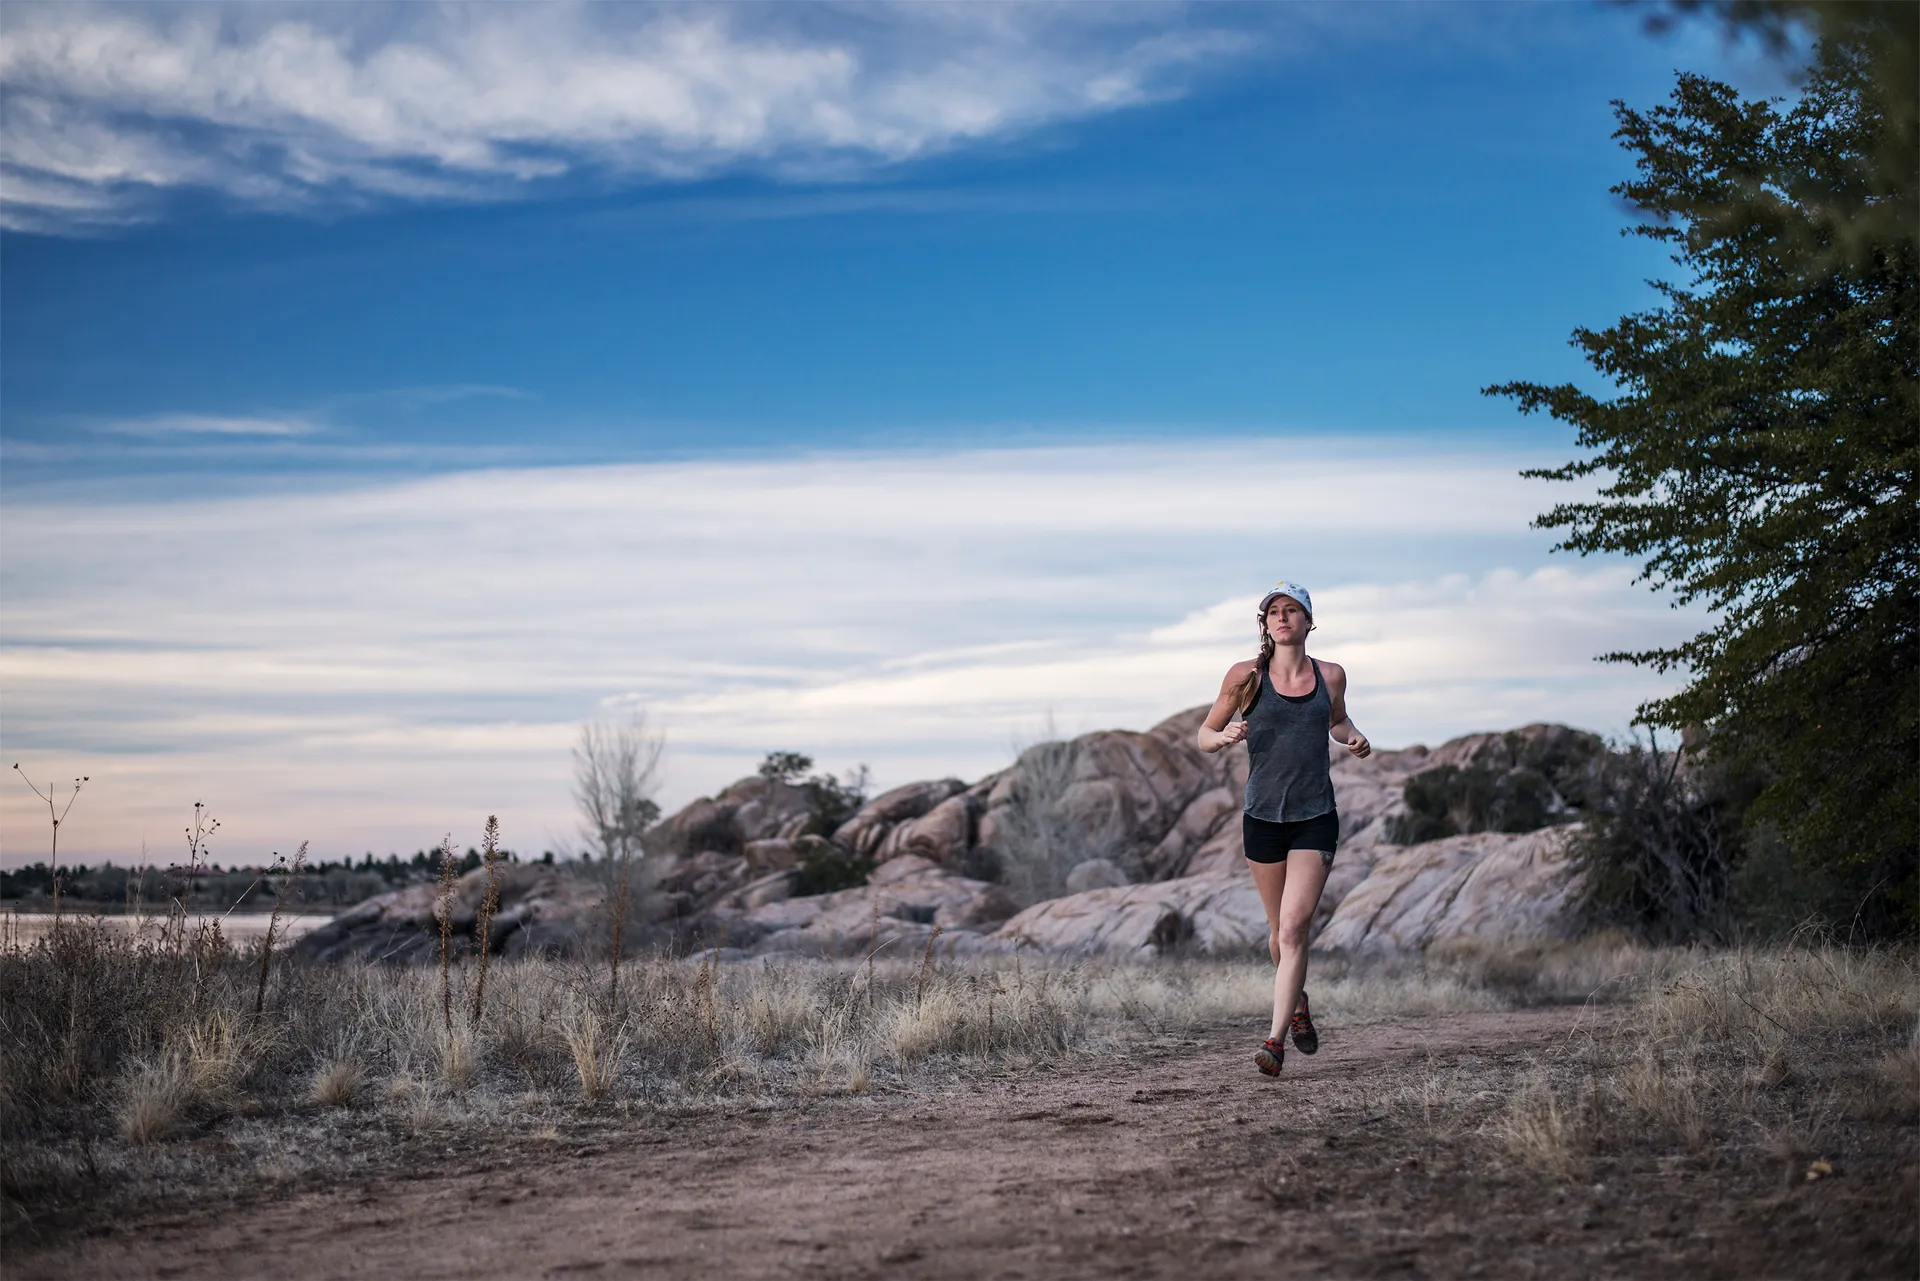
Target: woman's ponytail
x: 1249, y: 687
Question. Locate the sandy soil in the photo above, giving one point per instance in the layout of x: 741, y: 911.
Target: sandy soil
x: 1178, y: 1161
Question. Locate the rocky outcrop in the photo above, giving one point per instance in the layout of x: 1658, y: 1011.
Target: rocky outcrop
x: 1212, y: 914
x: 871, y: 827
x: 753, y: 809
x: 1095, y: 874
x: 899, y: 907
x: 1159, y: 863
x: 1489, y: 887
x: 543, y: 909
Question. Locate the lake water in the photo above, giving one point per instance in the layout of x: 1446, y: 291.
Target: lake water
x: 24, y: 929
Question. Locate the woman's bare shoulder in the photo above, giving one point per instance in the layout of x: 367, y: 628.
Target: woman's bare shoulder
x: 1334, y: 673
x: 1238, y: 672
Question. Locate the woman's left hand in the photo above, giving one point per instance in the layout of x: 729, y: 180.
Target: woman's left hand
x: 1359, y: 745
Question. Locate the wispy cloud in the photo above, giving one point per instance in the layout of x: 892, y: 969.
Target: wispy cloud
x: 362, y: 666
x: 164, y: 426
x: 292, y: 107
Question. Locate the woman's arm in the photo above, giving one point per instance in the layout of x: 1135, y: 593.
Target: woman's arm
x: 1340, y: 728
x: 1214, y: 732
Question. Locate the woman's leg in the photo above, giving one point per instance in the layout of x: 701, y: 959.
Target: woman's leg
x: 1290, y: 892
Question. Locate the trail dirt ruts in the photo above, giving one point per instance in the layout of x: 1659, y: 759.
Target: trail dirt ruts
x: 1178, y: 1160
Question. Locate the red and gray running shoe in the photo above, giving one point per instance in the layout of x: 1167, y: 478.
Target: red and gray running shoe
x: 1271, y: 1054
x: 1305, y: 1038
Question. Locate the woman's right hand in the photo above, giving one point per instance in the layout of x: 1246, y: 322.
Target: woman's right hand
x: 1219, y: 738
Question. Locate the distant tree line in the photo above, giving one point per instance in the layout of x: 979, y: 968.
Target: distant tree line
x: 331, y: 884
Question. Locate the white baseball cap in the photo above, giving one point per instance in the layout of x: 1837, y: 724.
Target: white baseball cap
x: 1285, y: 588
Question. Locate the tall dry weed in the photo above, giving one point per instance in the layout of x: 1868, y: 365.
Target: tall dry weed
x: 597, y: 1050
x: 1544, y: 1131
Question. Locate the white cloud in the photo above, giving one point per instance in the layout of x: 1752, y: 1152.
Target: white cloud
x: 164, y: 425
x: 280, y: 107
x: 371, y: 666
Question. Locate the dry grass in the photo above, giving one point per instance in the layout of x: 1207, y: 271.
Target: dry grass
x: 156, y: 1098
x: 105, y: 1041
x: 336, y: 1083
x: 1542, y: 1131
x: 596, y: 1053
x: 1742, y: 1048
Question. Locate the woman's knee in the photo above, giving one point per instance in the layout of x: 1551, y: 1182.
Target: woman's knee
x: 1291, y: 936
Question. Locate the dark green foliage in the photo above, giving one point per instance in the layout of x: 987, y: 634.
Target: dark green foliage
x: 832, y: 801
x: 785, y: 767
x: 825, y: 867
x: 1660, y: 846
x: 1759, y: 456
x: 1449, y: 801
x: 1519, y: 781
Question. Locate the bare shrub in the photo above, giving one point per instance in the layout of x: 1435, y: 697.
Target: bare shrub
x: 616, y: 767
x: 1660, y: 845
x: 1043, y: 834
x: 1743, y: 1048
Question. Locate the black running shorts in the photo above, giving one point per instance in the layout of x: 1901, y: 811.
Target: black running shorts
x: 1271, y: 842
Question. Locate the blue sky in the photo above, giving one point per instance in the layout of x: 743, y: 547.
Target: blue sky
x: 384, y: 391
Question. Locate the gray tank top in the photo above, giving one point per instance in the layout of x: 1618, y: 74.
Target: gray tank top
x: 1289, y: 775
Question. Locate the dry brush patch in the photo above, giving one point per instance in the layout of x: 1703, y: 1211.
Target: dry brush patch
x: 1793, y: 1055
x: 126, y: 1068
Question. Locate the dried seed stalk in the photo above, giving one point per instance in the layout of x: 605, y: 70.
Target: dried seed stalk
x: 446, y: 929
x: 280, y: 897
x: 489, y: 905
x: 926, y: 968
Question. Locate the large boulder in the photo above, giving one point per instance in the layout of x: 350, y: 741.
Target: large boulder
x: 1218, y: 915
x: 754, y: 809
x: 1489, y: 887
x: 942, y: 835
x: 869, y: 828
x: 1129, y: 793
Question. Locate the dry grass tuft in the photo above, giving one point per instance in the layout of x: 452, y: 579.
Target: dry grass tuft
x: 336, y: 1083
x: 596, y: 1052
x: 1892, y: 1093
x: 156, y: 1098
x: 1541, y: 1131
x: 455, y: 1057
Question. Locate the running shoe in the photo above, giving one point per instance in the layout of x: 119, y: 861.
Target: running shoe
x: 1271, y: 1054
x: 1305, y: 1038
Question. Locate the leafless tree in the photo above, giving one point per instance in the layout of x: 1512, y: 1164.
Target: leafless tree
x: 1043, y: 834
x: 616, y: 767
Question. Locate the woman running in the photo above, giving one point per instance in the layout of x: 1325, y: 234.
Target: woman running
x: 1289, y: 705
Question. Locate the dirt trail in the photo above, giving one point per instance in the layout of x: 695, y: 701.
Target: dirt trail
x: 1179, y: 1161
